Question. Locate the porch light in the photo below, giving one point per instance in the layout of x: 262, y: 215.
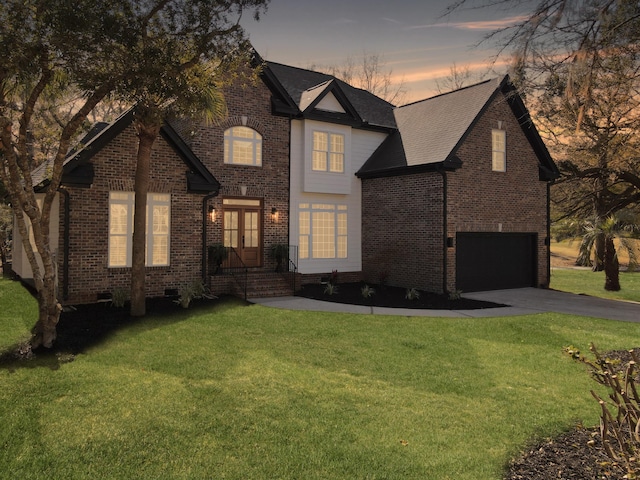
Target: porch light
x: 212, y: 213
x: 274, y: 214
x: 243, y: 190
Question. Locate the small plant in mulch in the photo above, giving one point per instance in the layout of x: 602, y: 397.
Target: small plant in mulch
x: 412, y: 294
x: 119, y: 297
x: 455, y: 295
x: 367, y: 291
x: 192, y: 291
x: 330, y: 289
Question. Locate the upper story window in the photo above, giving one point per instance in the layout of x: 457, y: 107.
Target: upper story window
x: 499, y: 150
x: 242, y: 146
x: 328, y: 152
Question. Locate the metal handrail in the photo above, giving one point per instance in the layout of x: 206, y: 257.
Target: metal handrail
x: 292, y: 267
x: 236, y: 267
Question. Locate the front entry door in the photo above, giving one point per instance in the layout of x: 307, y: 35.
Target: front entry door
x: 242, y: 227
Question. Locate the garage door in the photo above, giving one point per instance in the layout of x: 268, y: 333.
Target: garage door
x: 494, y: 261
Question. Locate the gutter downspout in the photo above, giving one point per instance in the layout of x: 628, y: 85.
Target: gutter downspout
x: 443, y: 172
x: 65, y: 246
x: 205, y: 200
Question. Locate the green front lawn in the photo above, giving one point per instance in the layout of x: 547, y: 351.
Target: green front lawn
x: 586, y: 282
x: 253, y: 393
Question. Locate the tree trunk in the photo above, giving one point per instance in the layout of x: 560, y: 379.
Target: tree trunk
x: 3, y: 258
x: 599, y: 253
x: 44, y: 331
x: 147, y: 135
x: 611, y: 266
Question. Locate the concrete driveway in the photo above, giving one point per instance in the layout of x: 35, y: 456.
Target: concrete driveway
x: 520, y: 301
x: 536, y: 300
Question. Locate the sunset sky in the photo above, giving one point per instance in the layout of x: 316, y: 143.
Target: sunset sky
x: 411, y: 36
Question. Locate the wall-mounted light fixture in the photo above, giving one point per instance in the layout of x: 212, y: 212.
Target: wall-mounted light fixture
x: 243, y: 190
x: 500, y: 124
x: 274, y: 214
x: 212, y: 213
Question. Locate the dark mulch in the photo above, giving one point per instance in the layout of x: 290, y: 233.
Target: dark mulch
x: 388, y: 296
x: 577, y: 454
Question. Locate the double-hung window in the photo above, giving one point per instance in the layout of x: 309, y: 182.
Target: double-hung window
x: 328, y: 152
x: 158, y: 221
x: 499, y: 150
x: 323, y: 231
x: 242, y: 146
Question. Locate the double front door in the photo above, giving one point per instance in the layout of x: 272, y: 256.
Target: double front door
x: 242, y: 229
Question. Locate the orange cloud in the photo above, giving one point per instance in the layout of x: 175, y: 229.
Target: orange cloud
x: 476, y: 25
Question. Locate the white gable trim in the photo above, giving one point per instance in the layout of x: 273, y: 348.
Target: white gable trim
x: 330, y: 104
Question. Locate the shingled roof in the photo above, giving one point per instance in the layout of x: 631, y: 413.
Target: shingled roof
x: 302, y: 86
x: 430, y: 131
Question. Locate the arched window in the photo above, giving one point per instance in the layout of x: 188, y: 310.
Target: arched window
x: 242, y: 146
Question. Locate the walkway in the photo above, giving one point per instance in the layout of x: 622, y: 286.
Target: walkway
x: 521, y: 301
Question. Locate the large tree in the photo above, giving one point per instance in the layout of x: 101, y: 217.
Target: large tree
x: 47, y: 46
x: 51, y: 47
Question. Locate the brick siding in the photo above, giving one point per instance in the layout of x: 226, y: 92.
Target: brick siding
x: 114, y: 167
x: 402, y: 216
x: 402, y: 230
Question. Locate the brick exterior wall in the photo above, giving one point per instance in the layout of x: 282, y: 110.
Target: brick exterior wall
x: 480, y: 200
x: 402, y: 216
x: 89, y: 274
x: 402, y: 230
x: 251, y: 106
x: 114, y: 167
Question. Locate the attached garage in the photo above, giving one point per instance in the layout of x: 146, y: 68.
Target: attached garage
x: 494, y: 261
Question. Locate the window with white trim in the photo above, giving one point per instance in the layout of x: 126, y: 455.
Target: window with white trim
x: 323, y: 231
x: 158, y: 221
x: 499, y: 150
x: 242, y: 146
x: 328, y: 152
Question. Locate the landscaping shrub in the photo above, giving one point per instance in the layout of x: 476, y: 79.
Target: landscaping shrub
x: 620, y: 415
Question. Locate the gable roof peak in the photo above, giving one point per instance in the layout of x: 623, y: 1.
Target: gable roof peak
x: 303, y: 86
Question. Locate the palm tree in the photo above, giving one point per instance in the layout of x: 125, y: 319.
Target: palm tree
x: 151, y: 111
x: 618, y: 226
x: 179, y: 62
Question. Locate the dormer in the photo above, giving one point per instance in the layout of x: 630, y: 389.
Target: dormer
x: 327, y: 101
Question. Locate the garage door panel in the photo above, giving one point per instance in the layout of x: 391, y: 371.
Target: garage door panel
x: 492, y: 261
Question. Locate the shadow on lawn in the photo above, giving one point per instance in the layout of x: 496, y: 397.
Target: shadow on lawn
x: 85, y: 326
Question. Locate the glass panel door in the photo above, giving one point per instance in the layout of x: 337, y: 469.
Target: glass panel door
x: 242, y: 229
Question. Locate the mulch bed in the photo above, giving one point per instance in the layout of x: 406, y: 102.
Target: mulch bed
x: 388, y: 296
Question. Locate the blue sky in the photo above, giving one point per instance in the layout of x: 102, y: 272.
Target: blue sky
x: 411, y: 36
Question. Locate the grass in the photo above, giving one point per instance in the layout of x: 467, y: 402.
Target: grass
x: 17, y: 315
x: 251, y: 392
x: 592, y: 283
